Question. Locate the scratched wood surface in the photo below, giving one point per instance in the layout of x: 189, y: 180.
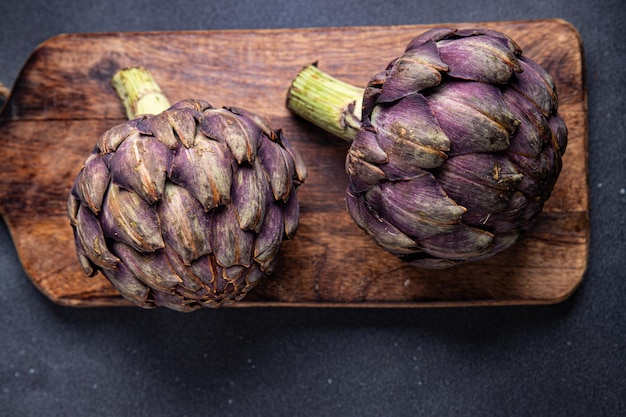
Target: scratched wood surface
x: 62, y: 101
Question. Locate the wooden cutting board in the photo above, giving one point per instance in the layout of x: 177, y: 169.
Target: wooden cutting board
x: 62, y: 101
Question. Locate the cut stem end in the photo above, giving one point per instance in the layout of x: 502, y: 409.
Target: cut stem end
x: 327, y: 102
x: 139, y: 92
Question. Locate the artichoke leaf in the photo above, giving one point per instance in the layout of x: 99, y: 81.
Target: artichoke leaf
x: 493, y: 170
x: 501, y: 221
x: 363, y: 174
x: 254, y: 275
x: 472, y: 194
x: 174, y: 302
x: 291, y: 211
x: 459, y: 243
x: 478, y: 58
x: 159, y: 127
x: 91, y: 183
x: 183, y: 122
x: 205, y: 170
x: 128, y: 285
x: 383, y: 232
x: 189, y: 281
x: 153, y: 269
x: 425, y: 53
x: 371, y: 94
x: 431, y: 36
x: 249, y: 192
x: 279, y: 172
x: 536, y: 85
x: 127, y: 217
x: 407, y: 76
x: 234, y: 274
x: 140, y: 164
x: 366, y: 147
x: 559, y: 132
x: 501, y: 241
x: 484, y: 98
x: 470, y: 130
x: 542, y: 172
x: 184, y: 223
x: 410, y: 120
x: 260, y: 121
x: 223, y: 286
x: 196, y: 106
x: 499, y: 37
x: 240, y: 135
x: 91, y: 239
x: 269, y: 240
x: 204, y: 269
x: 418, y: 207
x: 298, y: 162
x: 407, y: 156
x: 534, y: 131
x: 73, y: 204
x: 112, y: 138
x: 231, y: 245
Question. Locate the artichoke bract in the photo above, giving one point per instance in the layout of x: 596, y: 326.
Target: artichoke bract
x: 456, y: 145
x: 187, y: 205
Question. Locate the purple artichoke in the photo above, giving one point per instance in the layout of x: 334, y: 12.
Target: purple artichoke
x: 456, y: 145
x: 187, y: 207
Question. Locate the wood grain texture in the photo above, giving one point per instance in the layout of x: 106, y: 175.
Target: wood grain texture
x: 62, y: 101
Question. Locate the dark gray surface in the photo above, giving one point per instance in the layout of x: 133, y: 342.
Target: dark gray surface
x: 563, y: 360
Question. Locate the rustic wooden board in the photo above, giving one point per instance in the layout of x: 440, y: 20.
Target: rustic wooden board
x: 61, y: 102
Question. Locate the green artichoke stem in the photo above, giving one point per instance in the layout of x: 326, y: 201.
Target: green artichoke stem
x: 327, y: 102
x: 139, y: 92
